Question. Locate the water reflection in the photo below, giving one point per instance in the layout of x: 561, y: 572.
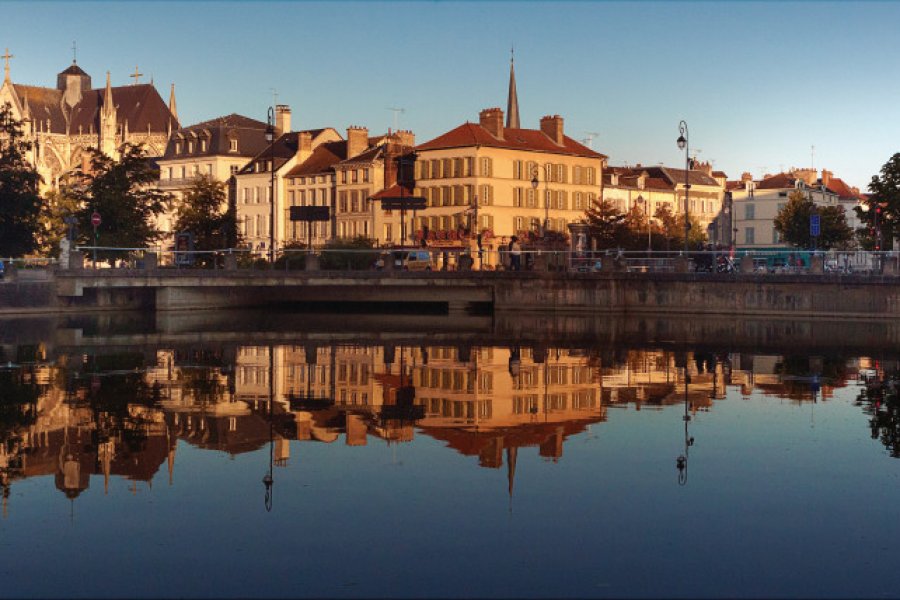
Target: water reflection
x: 78, y: 414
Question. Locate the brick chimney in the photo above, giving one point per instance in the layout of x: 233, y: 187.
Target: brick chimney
x: 826, y: 177
x: 304, y: 146
x: 282, y: 120
x: 357, y: 140
x: 553, y: 128
x: 492, y: 120
x: 405, y: 137
x: 745, y: 177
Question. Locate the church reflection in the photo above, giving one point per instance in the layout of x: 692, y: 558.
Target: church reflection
x: 82, y: 417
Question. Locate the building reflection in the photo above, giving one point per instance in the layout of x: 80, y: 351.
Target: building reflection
x: 77, y: 417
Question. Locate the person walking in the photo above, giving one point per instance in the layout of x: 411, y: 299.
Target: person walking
x: 515, y: 253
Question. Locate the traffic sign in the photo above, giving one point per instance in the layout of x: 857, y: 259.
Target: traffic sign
x: 814, y: 225
x: 95, y: 219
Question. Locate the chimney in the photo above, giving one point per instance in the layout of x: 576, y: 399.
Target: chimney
x: 553, y: 128
x: 745, y: 177
x: 282, y: 119
x: 406, y: 138
x: 304, y: 146
x: 492, y: 120
x: 826, y: 177
x: 357, y: 140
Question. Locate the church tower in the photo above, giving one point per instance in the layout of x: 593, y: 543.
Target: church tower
x: 512, y: 101
x: 107, y: 127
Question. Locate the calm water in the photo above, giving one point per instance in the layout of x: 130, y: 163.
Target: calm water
x: 417, y: 456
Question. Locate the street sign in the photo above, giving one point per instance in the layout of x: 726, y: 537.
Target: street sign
x: 814, y: 225
x: 309, y: 213
x: 184, y: 249
x: 95, y: 219
x: 404, y: 203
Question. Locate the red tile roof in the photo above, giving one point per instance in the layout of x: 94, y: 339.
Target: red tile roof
x: 394, y: 191
x: 777, y: 182
x: 839, y: 187
x: 473, y: 134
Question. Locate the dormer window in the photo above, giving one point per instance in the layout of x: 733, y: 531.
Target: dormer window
x: 232, y: 145
x: 190, y: 147
x: 203, y: 145
x: 177, y: 147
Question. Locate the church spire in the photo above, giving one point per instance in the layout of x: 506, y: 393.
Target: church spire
x: 6, y: 58
x: 108, y: 106
x: 172, y: 108
x: 512, y: 102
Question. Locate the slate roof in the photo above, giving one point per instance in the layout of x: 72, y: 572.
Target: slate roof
x: 322, y: 159
x: 250, y: 134
x: 284, y: 149
x: 659, y: 177
x: 473, y: 134
x: 138, y: 105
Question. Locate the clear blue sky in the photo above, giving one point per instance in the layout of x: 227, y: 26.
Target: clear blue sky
x: 758, y: 82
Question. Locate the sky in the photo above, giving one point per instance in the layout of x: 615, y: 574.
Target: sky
x: 763, y: 86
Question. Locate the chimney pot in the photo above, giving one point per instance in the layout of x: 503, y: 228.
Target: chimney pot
x: 492, y: 120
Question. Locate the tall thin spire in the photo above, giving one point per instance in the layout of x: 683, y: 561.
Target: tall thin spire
x: 172, y: 108
x: 512, y: 102
x: 6, y: 58
x: 108, y: 106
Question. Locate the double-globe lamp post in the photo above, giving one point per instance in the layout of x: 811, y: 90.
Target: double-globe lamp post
x: 534, y: 186
x: 683, y: 145
x: 270, y: 138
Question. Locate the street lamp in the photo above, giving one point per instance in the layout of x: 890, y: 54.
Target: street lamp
x: 534, y: 184
x: 683, y: 145
x: 270, y: 138
x: 640, y: 200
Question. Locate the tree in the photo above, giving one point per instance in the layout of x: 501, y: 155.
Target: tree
x: 20, y: 203
x: 671, y: 230
x: 59, y: 205
x: 792, y: 223
x: 607, y: 223
x: 205, y: 213
x: 123, y: 193
x: 884, y: 194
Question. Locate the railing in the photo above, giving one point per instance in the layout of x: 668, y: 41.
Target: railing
x: 859, y: 263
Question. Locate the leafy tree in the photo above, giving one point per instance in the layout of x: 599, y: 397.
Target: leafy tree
x: 607, y: 223
x: 20, y: 203
x: 59, y: 205
x: 885, y: 193
x: 792, y: 222
x: 124, y: 194
x: 205, y: 213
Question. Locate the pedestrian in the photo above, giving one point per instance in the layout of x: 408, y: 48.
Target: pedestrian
x: 515, y: 254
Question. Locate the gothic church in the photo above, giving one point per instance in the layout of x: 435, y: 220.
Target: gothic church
x: 66, y: 121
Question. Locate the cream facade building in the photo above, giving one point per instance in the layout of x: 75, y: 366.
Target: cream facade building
x: 254, y: 182
x: 216, y: 149
x: 478, y: 177
x: 757, y: 203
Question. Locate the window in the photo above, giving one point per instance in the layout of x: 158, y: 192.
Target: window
x: 470, y: 167
x: 366, y: 175
x: 343, y: 176
x: 190, y: 147
x: 529, y: 199
x: 259, y: 194
x: 301, y: 196
x: 232, y: 145
x: 209, y: 170
x: 517, y: 197
x: 485, y: 167
x: 579, y: 203
x: 177, y: 147
x: 748, y: 235
x: 235, y: 169
x: 561, y: 173
x: 355, y: 175
x: 535, y: 224
x: 447, y: 167
x: 487, y: 195
x: 342, y: 201
x: 291, y: 198
x: 519, y: 224
x: 749, y: 211
x: 203, y: 145
x: 246, y: 195
x: 388, y: 232
x: 576, y: 175
x: 458, y: 167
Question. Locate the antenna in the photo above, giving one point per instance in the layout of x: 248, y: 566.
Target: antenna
x: 589, y: 140
x: 812, y: 157
x: 74, y: 53
x: 397, y: 111
x: 274, y: 97
x: 762, y: 171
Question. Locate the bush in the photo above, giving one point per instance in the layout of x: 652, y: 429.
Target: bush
x: 349, y: 254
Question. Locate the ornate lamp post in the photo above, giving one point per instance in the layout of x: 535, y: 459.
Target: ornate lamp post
x: 270, y: 138
x: 683, y: 145
x: 534, y: 182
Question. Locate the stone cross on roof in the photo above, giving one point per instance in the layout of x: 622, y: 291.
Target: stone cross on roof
x: 6, y: 58
x: 136, y: 75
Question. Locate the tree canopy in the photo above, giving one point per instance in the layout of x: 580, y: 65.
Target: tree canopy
x: 205, y: 213
x: 793, y: 223
x: 20, y: 203
x: 612, y: 228
x: 885, y: 194
x: 123, y: 193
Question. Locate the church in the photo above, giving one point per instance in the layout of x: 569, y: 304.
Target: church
x: 66, y: 121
